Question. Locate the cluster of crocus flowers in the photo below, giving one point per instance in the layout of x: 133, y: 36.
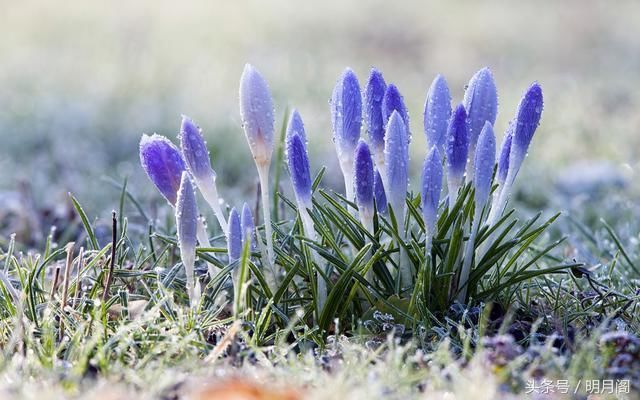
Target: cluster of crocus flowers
x: 461, y: 149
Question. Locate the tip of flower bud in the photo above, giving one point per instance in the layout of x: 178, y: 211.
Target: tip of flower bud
x: 480, y: 102
x: 346, y: 112
x: 437, y: 112
x: 248, y: 226
x: 194, y: 150
x: 457, y: 145
x: 298, y: 161
x: 363, y: 167
x: 485, y: 158
x: 373, y: 97
x: 393, y: 101
x: 234, y: 236
x: 431, y: 187
x: 257, y: 113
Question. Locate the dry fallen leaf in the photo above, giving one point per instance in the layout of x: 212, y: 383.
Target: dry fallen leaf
x: 239, y: 389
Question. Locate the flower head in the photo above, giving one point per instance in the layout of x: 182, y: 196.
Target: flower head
x: 485, y: 160
x: 396, y: 151
x: 194, y: 151
x: 431, y: 188
x: 234, y: 236
x: 298, y: 160
x: 373, y: 96
x: 187, y: 218
x: 526, y: 122
x: 364, y: 178
x: 481, y: 104
x: 256, y: 112
x: 379, y: 194
x: 248, y: 226
x: 163, y: 164
x: 437, y: 111
x: 457, y: 148
x: 393, y: 101
x: 346, y: 113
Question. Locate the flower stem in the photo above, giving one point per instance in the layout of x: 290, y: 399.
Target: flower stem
x: 263, y: 175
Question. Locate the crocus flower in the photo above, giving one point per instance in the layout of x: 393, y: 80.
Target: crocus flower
x: 248, y: 226
x: 437, y: 111
x: 379, y: 194
x: 481, y: 104
x: 346, y: 117
x: 393, y: 101
x: 527, y: 120
x: 196, y: 156
x: 364, y: 184
x: 373, y: 96
x: 523, y: 127
x: 187, y: 223
x: 298, y: 160
x: 396, y: 153
x: 163, y: 164
x: 431, y: 188
x: 256, y: 111
x: 457, y: 150
x: 485, y: 159
x: 298, y: 163
x: 234, y: 236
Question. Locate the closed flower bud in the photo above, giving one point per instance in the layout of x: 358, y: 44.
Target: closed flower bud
x: 373, y: 96
x: 481, y: 104
x: 437, y: 111
x: 364, y: 179
x: 526, y: 122
x: 187, y: 215
x: 346, y: 113
x: 248, y: 226
x: 379, y: 194
x: 457, y: 149
x: 234, y: 236
x: 503, y: 162
x: 298, y: 161
x: 396, y: 153
x: 194, y: 151
x: 431, y: 188
x: 256, y: 112
x: 485, y: 160
x: 163, y: 164
x: 393, y: 101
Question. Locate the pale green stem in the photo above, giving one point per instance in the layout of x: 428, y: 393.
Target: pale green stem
x: 468, y: 256
x: 210, y: 193
x: 310, y: 233
x: 263, y: 175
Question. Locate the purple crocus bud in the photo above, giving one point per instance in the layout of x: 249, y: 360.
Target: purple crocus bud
x: 163, y: 164
x: 298, y: 161
x: 346, y: 113
x: 527, y: 120
x: 437, y: 111
x: 295, y: 125
x: 379, y: 194
x: 194, y: 151
x: 481, y: 104
x: 503, y: 162
x: 364, y: 179
x: 393, y: 101
x: 248, y: 226
x: 431, y: 188
x: 396, y: 151
x: 457, y: 149
x: 373, y: 96
x: 485, y: 160
x: 234, y: 236
x: 187, y: 215
x: 187, y: 227
x: 256, y: 112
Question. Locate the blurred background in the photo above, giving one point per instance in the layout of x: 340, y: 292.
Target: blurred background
x: 80, y: 82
